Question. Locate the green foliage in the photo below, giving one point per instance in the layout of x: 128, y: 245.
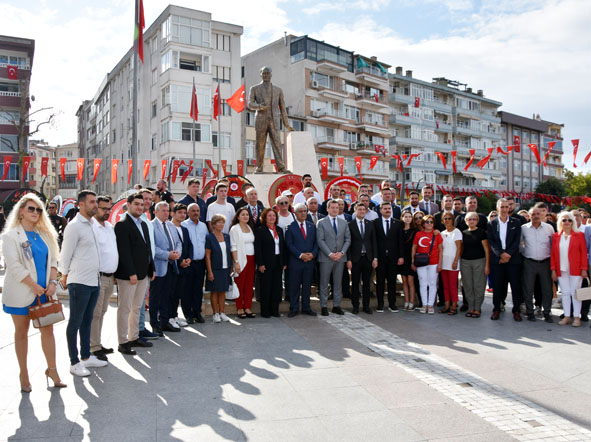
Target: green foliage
x: 486, y: 204
x: 577, y: 184
x: 552, y: 186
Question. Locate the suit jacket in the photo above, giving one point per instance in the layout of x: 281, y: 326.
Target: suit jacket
x: 322, y: 209
x: 320, y: 216
x: 433, y: 207
x: 512, y: 241
x: 187, y: 247
x: 396, y: 211
x: 216, y: 257
x: 460, y: 222
x: 391, y: 246
x: 348, y: 217
x: 264, y: 248
x: 296, y: 244
x: 577, y: 254
x: 329, y: 242
x: 357, y: 241
x: 259, y: 96
x: 135, y: 253
x: 260, y: 208
x: 409, y: 208
x: 163, y: 247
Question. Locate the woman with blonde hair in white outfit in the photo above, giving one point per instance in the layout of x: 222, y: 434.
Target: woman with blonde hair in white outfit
x: 30, y: 250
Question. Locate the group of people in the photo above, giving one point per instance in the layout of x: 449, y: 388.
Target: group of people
x: 223, y: 245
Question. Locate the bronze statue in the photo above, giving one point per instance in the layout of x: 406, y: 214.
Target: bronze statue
x: 267, y: 101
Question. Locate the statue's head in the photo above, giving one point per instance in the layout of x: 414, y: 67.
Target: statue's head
x: 266, y: 74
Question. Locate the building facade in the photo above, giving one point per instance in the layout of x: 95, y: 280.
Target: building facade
x: 47, y: 186
x: 439, y: 117
x: 183, y: 45
x: 68, y: 187
x: 16, y: 62
x: 340, y: 97
x: 554, y: 166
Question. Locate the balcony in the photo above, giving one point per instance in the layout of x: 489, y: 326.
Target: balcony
x: 374, y: 126
x: 330, y: 67
x: 466, y: 130
x: 405, y: 119
x: 403, y: 141
x: 330, y: 142
x: 370, y: 101
x: 372, y: 75
x: 438, y: 105
x: 334, y: 93
x: 401, y: 98
x: 331, y: 115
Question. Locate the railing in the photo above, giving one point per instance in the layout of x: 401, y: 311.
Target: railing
x: 329, y: 113
x: 315, y: 85
x: 372, y: 70
x: 374, y: 121
x: 26, y: 67
x: 365, y: 95
x: 9, y: 94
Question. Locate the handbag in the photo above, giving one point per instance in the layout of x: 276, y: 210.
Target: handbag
x: 233, y: 292
x: 47, y: 313
x: 422, y: 259
x: 583, y: 294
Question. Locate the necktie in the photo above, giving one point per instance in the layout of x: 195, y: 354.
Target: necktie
x: 362, y: 230
x: 254, y: 214
x: 334, y: 226
x: 315, y: 218
x: 303, y: 230
x: 427, y: 208
x: 387, y: 227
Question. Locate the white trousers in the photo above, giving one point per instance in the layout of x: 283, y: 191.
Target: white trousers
x: 568, y: 285
x: 428, y: 284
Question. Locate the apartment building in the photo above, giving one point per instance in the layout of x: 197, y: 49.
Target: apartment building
x: 429, y: 117
x: 69, y: 187
x: 16, y: 62
x: 46, y: 185
x: 554, y: 166
x: 181, y: 45
x: 339, y: 96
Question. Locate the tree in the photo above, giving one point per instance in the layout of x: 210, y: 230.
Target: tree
x: 577, y: 185
x: 552, y: 186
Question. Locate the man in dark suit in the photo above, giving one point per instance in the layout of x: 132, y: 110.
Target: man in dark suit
x: 300, y: 239
x: 179, y: 214
x: 313, y: 214
x: 335, y: 193
x: 389, y: 247
x: 388, y: 197
x: 504, y: 236
x: 413, y: 198
x: 135, y: 267
x: 427, y: 206
x: 512, y: 212
x: 361, y: 256
x: 252, y: 203
x: 471, y: 206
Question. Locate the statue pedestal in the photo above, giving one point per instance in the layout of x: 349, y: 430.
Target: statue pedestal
x: 301, y: 159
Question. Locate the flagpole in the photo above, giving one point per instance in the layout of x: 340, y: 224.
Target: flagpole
x: 134, y: 112
x: 219, y: 99
x: 194, y: 92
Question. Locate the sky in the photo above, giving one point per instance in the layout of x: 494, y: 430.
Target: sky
x: 534, y: 56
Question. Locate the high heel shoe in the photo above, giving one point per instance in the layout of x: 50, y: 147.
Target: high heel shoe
x: 56, y: 384
x: 25, y: 389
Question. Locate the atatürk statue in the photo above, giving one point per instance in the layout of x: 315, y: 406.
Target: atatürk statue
x: 267, y: 101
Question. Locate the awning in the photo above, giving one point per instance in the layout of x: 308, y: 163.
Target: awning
x: 443, y: 172
x: 478, y: 175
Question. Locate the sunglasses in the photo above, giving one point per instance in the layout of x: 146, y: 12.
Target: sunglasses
x: 284, y: 203
x: 566, y: 220
x: 428, y: 222
x: 32, y: 209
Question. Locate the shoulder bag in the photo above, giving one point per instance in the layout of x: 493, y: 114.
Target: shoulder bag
x: 48, y: 313
x: 422, y: 259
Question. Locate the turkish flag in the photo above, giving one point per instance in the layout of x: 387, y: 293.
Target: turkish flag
x: 576, y: 149
x: 324, y: 168
x: 12, y: 72
x: 96, y: 166
x: 237, y: 100
x: 204, y: 178
x: 79, y: 169
x: 454, y: 153
x: 373, y: 161
x: 442, y: 158
x: 376, y: 97
x: 534, y: 149
x: 6, y: 167
x: 417, y: 101
x: 216, y: 103
x: 500, y: 150
x: 26, y: 164
x: 114, y: 166
x: 44, y: 163
x: 437, y: 124
x: 483, y: 161
x: 213, y: 169
x: 517, y: 143
x: 175, y: 169
x: 146, y: 168
x: 341, y: 162
x: 63, y: 168
x: 194, y: 108
x: 472, y: 152
x: 164, y: 163
x: 358, y: 165
x: 129, y: 170
x: 224, y: 164
x: 410, y: 158
x: 587, y: 158
x: 240, y: 167
x: 550, y: 147
x: 187, y: 172
x: 398, y: 161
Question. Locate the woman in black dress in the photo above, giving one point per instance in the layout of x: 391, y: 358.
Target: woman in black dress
x: 408, y: 275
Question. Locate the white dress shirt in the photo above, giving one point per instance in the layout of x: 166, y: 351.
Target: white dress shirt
x: 503, y: 231
x: 384, y: 223
x: 564, y: 264
x: 371, y: 215
x: 299, y: 198
x: 107, y: 246
x: 536, y: 243
x: 79, y: 258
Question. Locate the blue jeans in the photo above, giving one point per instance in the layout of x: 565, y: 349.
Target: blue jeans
x: 82, y: 302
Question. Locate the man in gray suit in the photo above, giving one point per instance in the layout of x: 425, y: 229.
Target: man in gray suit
x: 334, y: 239
x: 427, y: 206
x: 267, y: 101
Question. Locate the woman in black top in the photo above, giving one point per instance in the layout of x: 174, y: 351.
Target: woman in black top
x: 408, y: 275
x: 475, y: 264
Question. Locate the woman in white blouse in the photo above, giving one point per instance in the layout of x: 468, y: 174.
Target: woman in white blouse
x: 450, y: 264
x: 242, y: 239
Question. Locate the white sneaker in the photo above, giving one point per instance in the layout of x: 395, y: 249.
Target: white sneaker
x: 79, y: 370
x: 223, y: 317
x: 405, y: 308
x: 173, y: 323
x: 216, y: 318
x: 423, y: 310
x: 181, y: 322
x: 93, y: 361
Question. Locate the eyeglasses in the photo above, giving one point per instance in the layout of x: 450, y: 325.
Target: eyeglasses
x: 106, y: 209
x: 428, y: 222
x: 566, y: 220
x: 32, y: 209
x: 283, y: 203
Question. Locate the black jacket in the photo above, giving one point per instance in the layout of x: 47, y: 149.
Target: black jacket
x: 512, y: 241
x: 389, y: 247
x: 369, y: 240
x: 264, y: 248
x: 187, y: 251
x: 135, y: 253
x: 260, y: 208
x: 461, y: 225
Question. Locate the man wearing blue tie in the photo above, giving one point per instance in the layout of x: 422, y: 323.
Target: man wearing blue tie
x: 168, y: 250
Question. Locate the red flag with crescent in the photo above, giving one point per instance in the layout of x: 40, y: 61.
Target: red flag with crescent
x: 95, y: 167
x: 575, y: 150
x: 358, y: 166
x: 417, y: 101
x: 63, y: 168
x: 324, y: 168
x: 240, y: 167
x: 12, y: 72
x: 398, y: 161
x: 535, y: 150
x: 187, y: 172
x: 373, y: 161
x: 204, y: 178
x: 341, y: 162
x: 146, y: 168
x: 483, y: 161
x: 216, y: 103
x: 454, y: 153
x: 550, y: 147
x: 509, y: 149
x: 469, y: 163
x: 26, y: 164
x: 213, y: 169
x: 517, y: 143
x: 175, y: 169
x: 587, y: 158
x: 44, y: 164
x: 129, y: 170
x: 114, y: 167
x: 194, y: 108
x: 6, y: 167
x: 410, y: 158
x: 164, y: 163
x: 237, y: 100
x: 442, y: 158
x: 79, y: 169
x: 224, y: 165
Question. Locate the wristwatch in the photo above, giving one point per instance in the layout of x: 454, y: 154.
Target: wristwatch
x: 54, y: 281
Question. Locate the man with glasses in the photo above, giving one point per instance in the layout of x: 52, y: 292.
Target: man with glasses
x: 59, y: 222
x: 109, y: 260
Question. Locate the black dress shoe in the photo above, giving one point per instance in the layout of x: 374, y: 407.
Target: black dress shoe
x: 324, y: 311
x: 355, y: 310
x: 147, y: 334
x: 367, y: 310
x: 139, y: 342
x: 265, y: 316
x: 170, y: 328
x: 100, y: 355
x: 126, y: 349
x: 531, y: 317
x: 310, y: 313
x: 338, y: 310
x: 292, y: 314
x: 464, y: 308
x: 495, y: 316
x: 275, y: 315
x: 548, y: 318
x: 584, y: 318
x: 190, y: 321
x: 106, y: 351
x: 156, y: 330
x: 517, y: 317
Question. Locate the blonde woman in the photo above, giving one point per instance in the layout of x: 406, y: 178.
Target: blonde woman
x: 30, y: 250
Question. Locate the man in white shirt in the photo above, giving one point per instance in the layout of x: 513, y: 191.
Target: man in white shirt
x: 377, y: 197
x: 221, y: 206
x: 79, y: 265
x: 307, y: 184
x: 370, y: 215
x: 414, y: 207
x: 109, y: 259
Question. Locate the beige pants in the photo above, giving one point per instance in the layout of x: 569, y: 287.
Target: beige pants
x: 102, y: 304
x: 131, y: 298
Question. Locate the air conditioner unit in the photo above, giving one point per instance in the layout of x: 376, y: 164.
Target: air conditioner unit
x: 316, y: 113
x: 314, y: 84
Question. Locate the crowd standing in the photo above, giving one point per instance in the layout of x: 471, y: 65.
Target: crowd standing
x: 239, y: 247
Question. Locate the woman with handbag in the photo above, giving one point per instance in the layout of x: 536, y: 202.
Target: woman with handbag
x: 242, y: 246
x: 218, y: 257
x: 568, y: 262
x: 30, y: 250
x: 426, y: 258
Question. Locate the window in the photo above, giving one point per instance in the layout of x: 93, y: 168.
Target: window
x: 322, y: 134
x: 154, y: 76
x: 221, y: 42
x: 221, y: 74
x: 13, y: 174
x: 323, y: 80
x: 114, y: 136
x: 154, y: 142
x: 186, y: 30
x: 179, y: 98
x: 225, y: 139
x: 153, y: 45
x: 7, y: 117
x: 297, y: 125
x: 352, y: 138
x: 225, y: 108
x: 154, y: 108
x: 249, y: 147
x: 534, y: 168
x: 182, y: 131
x: 249, y: 118
x: 8, y: 143
x: 353, y: 113
x: 516, y: 165
x: 10, y: 87
x: 164, y: 132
